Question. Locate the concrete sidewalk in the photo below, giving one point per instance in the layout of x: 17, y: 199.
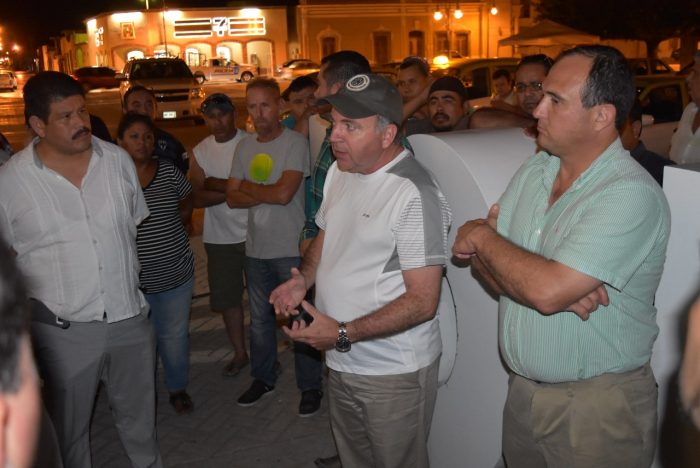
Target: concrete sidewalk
x: 219, y: 433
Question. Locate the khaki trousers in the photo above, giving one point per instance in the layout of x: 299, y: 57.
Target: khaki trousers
x: 607, y: 421
x: 382, y: 421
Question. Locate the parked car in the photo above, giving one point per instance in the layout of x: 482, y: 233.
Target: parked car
x: 445, y: 59
x: 297, y: 67
x: 224, y: 70
x: 476, y: 76
x: 8, y: 80
x: 178, y: 94
x: 663, y: 98
x: 96, y: 77
x: 650, y: 66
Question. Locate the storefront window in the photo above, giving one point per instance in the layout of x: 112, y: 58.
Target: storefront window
x: 193, y: 57
x: 223, y: 52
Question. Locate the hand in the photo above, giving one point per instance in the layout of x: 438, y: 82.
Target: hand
x: 590, y: 302
x: 464, y: 246
x: 689, y: 381
x: 287, y: 296
x: 322, y: 333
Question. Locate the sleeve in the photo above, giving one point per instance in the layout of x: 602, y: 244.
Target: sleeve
x: 321, y: 213
x: 298, y: 154
x: 421, y: 231
x: 182, y: 185
x: 139, y: 208
x: 237, y: 169
x: 617, y: 231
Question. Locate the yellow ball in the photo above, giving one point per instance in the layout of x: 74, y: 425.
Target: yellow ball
x: 261, y: 167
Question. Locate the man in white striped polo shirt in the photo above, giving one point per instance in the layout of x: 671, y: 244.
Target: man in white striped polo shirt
x: 581, y: 225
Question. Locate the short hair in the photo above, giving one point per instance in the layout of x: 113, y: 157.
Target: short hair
x: 13, y: 320
x: 264, y: 83
x: 131, y: 118
x: 610, y: 80
x: 298, y: 84
x: 136, y: 89
x: 45, y: 88
x: 419, y: 62
x: 536, y: 59
x: 342, y: 65
x: 501, y: 73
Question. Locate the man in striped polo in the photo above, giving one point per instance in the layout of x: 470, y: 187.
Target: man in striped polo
x: 581, y: 225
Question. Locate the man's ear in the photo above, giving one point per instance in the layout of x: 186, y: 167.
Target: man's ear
x: 604, y: 116
x: 38, y: 125
x: 389, y: 135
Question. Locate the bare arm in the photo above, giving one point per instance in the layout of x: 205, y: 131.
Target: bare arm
x: 690, y: 368
x: 279, y: 193
x: 417, y: 305
x: 201, y: 195
x: 235, y: 198
x: 545, y: 285
x: 185, y: 207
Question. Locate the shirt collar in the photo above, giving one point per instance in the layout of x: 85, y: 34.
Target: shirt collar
x: 96, y: 149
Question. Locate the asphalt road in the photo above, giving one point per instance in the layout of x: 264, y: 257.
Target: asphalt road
x: 105, y: 104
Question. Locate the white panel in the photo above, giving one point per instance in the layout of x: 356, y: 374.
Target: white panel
x: 473, y: 169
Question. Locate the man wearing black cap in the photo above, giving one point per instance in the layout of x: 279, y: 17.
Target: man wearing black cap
x: 377, y: 265
x: 224, y: 232
x: 446, y: 107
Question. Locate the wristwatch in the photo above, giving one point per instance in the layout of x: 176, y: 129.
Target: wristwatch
x: 342, y: 344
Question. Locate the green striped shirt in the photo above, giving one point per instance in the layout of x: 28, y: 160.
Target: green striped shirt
x: 612, y: 224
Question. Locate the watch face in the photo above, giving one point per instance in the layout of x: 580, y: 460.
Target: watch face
x: 342, y: 345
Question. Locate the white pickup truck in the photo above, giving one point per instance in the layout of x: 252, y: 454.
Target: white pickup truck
x: 224, y: 70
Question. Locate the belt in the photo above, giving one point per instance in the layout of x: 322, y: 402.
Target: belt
x: 42, y: 314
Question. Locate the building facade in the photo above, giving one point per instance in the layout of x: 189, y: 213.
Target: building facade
x: 245, y: 35
x: 387, y: 31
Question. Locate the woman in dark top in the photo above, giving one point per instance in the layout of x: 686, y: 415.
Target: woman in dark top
x: 167, y: 262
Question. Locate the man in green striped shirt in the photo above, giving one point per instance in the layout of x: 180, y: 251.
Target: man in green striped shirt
x: 576, y: 249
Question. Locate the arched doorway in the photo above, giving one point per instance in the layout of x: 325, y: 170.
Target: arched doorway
x: 260, y: 55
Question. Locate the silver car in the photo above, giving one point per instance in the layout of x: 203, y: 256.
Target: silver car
x: 8, y: 80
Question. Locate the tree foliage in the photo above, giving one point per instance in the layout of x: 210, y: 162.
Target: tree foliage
x: 651, y: 21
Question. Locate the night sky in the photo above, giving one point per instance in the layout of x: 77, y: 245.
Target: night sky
x: 31, y: 22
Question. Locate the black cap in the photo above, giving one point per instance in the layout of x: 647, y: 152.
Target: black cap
x: 366, y: 95
x: 217, y: 101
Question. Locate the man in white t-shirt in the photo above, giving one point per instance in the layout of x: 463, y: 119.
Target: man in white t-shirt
x: 377, y: 264
x: 266, y: 177
x: 224, y: 229
x: 685, y: 143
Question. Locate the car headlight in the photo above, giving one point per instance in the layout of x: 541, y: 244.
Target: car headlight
x: 197, y: 93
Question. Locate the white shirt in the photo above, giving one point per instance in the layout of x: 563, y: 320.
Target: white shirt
x: 222, y: 225
x: 76, y: 246
x: 685, y: 145
x: 376, y: 226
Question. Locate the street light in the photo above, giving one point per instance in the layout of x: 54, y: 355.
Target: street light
x: 456, y: 14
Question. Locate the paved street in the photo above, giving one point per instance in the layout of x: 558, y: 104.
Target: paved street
x: 219, y: 433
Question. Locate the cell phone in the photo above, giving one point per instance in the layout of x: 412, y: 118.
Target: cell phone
x: 301, y: 316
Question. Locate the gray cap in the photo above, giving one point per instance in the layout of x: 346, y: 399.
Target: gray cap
x: 217, y: 101
x: 366, y: 95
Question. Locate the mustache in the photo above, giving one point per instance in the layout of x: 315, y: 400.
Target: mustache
x: 80, y: 133
x: 440, y: 115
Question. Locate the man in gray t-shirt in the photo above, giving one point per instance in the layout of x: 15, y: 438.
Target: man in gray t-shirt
x: 266, y: 177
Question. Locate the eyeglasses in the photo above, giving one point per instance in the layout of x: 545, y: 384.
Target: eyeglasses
x: 522, y: 87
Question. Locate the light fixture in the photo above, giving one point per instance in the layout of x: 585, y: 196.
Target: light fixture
x: 437, y: 15
x: 494, y: 10
x: 458, y: 13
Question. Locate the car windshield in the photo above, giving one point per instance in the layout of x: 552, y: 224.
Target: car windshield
x: 160, y: 70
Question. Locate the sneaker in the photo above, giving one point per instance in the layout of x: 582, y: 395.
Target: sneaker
x: 310, y: 403
x: 257, y: 390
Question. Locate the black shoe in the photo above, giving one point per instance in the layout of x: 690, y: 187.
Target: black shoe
x: 310, y: 403
x: 257, y: 390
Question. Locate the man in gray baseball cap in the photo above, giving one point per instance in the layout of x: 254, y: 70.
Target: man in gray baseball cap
x: 383, y: 228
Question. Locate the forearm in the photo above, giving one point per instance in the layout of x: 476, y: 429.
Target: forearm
x: 530, y: 279
x: 204, y: 198
x: 312, y: 256
x: 482, y: 273
x: 271, y: 194
x: 215, y: 184
x: 238, y: 199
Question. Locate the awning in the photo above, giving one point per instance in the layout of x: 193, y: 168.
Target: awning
x: 548, y: 33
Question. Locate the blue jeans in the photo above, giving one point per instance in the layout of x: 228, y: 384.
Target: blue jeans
x: 263, y: 276
x: 170, y: 318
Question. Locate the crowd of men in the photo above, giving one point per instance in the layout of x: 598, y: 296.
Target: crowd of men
x: 335, y: 225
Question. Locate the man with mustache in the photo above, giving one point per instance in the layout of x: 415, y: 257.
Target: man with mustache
x: 69, y: 207
x: 446, y: 108
x: 266, y: 177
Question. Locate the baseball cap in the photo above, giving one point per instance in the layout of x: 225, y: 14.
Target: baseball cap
x: 449, y: 83
x: 217, y: 101
x: 365, y: 95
